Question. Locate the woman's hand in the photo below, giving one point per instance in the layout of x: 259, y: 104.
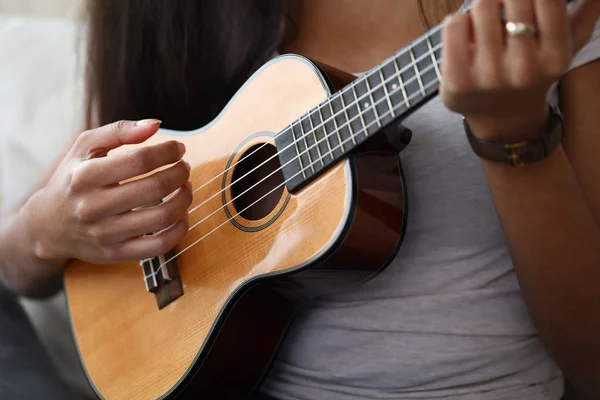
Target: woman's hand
x: 84, y: 212
x: 500, y: 82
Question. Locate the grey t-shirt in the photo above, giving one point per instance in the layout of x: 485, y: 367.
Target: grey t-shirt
x: 446, y: 320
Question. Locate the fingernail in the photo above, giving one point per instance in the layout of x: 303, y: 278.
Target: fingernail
x: 150, y: 121
x: 187, y: 164
x: 181, y: 148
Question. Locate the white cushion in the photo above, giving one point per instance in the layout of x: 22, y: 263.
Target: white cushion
x: 40, y: 111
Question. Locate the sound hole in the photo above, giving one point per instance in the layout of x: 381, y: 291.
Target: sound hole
x: 255, y: 195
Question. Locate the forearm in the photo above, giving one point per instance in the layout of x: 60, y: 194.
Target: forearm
x: 21, y: 271
x: 500, y: 83
x: 555, y: 245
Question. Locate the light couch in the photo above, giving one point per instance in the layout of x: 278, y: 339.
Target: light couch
x: 41, y: 87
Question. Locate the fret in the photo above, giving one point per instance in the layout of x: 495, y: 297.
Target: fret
x: 391, y: 89
x: 387, y: 94
x: 314, y: 133
x: 426, y: 63
x: 375, y: 82
x: 322, y: 123
x: 337, y: 129
x: 433, y: 58
x: 297, y: 151
x: 403, y: 88
x: 365, y: 98
x: 417, y: 72
x: 360, y: 114
x: 373, y: 104
x: 349, y: 123
x: 310, y: 162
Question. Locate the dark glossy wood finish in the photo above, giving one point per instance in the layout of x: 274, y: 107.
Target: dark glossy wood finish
x: 337, y: 78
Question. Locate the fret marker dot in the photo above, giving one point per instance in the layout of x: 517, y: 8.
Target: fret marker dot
x: 394, y: 86
x: 366, y: 105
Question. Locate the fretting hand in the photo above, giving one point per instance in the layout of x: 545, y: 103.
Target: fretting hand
x: 83, y: 212
x: 498, y: 76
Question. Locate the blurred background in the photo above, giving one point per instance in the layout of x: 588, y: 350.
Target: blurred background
x: 46, y: 8
x: 41, y: 87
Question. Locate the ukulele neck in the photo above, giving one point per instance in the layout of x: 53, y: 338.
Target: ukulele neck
x: 386, y: 94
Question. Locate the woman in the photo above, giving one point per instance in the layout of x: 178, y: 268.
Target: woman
x: 494, y: 293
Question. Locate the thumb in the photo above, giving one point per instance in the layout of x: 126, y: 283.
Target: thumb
x: 98, y: 142
x: 583, y: 19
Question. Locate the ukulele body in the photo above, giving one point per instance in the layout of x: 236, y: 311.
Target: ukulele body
x: 243, y: 275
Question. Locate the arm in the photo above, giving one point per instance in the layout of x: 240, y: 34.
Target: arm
x: 554, y: 238
x: 16, y: 249
x: 20, y: 270
x: 82, y: 211
x: 548, y: 211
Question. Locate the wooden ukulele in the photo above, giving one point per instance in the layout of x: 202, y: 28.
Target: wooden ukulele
x: 299, y: 193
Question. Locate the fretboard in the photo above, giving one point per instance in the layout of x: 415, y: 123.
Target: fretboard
x: 384, y: 95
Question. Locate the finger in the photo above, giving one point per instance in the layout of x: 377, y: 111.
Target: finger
x: 553, y: 25
x: 521, y: 51
x: 145, y: 221
x: 98, y: 142
x: 143, y: 192
x: 489, y: 42
x: 151, y: 246
x: 456, y: 54
x: 118, y: 167
x: 583, y: 19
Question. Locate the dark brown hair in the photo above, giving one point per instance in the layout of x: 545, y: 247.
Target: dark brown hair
x: 178, y: 60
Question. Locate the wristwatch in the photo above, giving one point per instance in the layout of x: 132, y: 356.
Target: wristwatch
x: 521, y: 153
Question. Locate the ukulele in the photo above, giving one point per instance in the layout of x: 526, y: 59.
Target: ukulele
x: 298, y: 193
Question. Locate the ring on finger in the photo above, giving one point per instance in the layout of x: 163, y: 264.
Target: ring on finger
x: 520, y: 29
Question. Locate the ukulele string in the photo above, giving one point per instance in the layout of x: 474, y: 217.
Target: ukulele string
x: 318, y: 109
x: 267, y: 194
x: 284, y: 165
x: 356, y: 103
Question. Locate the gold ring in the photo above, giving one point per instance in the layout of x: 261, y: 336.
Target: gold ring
x: 520, y: 29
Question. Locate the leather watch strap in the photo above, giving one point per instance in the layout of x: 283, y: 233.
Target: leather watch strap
x: 520, y: 153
